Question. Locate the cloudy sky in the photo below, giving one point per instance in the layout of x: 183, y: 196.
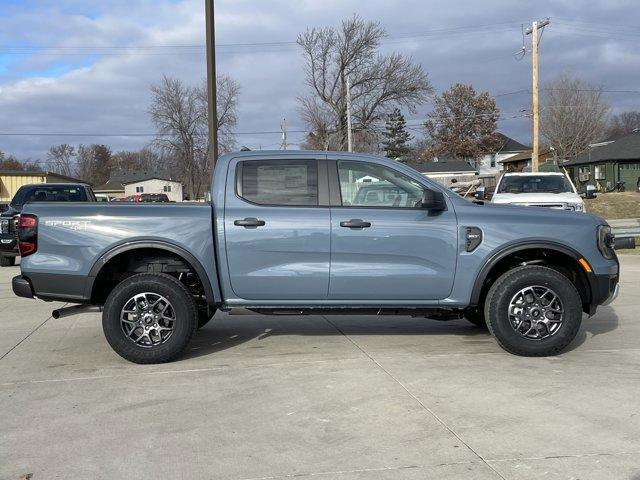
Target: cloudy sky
x: 72, y: 69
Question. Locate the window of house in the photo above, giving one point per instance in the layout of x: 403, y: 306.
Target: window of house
x: 280, y: 182
x: 371, y: 185
x: 493, y: 160
x: 166, y: 189
x: 139, y: 189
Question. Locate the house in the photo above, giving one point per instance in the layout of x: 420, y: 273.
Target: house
x: 12, y: 180
x: 521, y: 162
x: 490, y: 163
x: 155, y: 184
x: 608, y: 162
x: 446, y: 171
x: 125, y: 183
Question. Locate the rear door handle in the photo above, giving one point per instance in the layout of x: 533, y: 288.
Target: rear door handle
x: 249, y: 222
x: 355, y: 223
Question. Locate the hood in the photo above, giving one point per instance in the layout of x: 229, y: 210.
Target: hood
x: 568, y: 197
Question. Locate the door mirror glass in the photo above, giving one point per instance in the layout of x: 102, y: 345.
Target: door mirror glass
x: 591, y: 191
x: 433, y: 200
x: 481, y: 193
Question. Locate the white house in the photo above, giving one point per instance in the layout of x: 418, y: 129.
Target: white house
x: 155, y: 184
x: 491, y: 163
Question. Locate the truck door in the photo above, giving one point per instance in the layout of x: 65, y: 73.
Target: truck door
x: 384, y: 246
x: 277, y: 228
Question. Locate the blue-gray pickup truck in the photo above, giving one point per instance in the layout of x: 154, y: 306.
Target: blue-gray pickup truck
x: 300, y: 233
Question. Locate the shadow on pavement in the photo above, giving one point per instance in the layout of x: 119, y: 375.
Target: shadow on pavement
x: 603, y: 322
x: 225, y: 332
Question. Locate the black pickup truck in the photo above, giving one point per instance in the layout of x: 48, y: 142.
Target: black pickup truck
x: 48, y: 192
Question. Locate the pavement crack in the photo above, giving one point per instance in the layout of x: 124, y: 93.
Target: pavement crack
x: 25, y: 338
x: 415, y: 398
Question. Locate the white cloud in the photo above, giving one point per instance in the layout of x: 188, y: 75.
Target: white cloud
x: 110, y: 94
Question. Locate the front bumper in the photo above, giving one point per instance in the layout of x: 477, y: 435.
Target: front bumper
x: 613, y: 296
x: 605, y: 289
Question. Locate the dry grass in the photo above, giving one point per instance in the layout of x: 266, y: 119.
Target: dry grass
x: 612, y: 206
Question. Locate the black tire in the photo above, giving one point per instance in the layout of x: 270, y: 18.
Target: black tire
x: 204, y: 317
x: 7, y: 261
x: 182, y: 302
x: 476, y: 316
x: 497, y: 311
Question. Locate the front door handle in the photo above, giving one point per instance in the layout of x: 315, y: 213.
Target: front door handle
x: 355, y: 223
x: 249, y: 222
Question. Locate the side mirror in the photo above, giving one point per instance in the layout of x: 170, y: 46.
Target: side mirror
x: 433, y: 200
x: 591, y: 191
x: 481, y: 192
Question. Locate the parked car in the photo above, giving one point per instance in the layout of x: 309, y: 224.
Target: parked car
x: 103, y: 197
x: 45, y: 192
x: 541, y: 189
x: 147, y: 198
x: 290, y: 232
x: 4, y: 207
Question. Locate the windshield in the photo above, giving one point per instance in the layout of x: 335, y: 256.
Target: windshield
x: 49, y: 193
x: 535, y: 184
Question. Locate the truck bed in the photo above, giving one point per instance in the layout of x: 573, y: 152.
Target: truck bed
x: 73, y: 237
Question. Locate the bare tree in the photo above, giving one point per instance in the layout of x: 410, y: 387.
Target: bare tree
x: 623, y: 124
x: 573, y: 115
x: 144, y: 159
x: 179, y: 113
x: 93, y: 163
x: 61, y: 159
x: 378, y: 82
x: 463, y: 123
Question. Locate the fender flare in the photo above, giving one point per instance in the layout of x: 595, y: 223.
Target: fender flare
x: 210, y: 294
x: 504, y: 252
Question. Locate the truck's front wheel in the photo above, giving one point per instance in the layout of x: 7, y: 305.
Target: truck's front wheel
x: 149, y: 318
x: 533, y: 311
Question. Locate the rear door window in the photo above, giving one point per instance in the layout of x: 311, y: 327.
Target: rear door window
x: 279, y: 182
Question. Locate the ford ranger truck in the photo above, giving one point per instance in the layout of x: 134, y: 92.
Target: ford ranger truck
x: 290, y: 232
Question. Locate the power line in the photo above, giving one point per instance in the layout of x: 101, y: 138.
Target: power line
x: 198, y: 49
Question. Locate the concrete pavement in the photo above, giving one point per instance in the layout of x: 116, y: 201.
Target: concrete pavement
x: 319, y: 397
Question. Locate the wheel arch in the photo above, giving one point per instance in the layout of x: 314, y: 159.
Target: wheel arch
x: 211, y: 290
x: 584, y: 281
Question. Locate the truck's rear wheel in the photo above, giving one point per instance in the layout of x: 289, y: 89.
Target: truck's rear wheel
x: 149, y: 318
x: 533, y: 311
x: 7, y: 261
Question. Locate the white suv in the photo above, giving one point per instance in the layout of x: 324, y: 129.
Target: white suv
x: 542, y: 189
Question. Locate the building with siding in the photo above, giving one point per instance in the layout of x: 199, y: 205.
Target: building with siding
x: 445, y: 172
x: 608, y: 162
x: 491, y: 163
x: 156, y: 184
x: 12, y: 180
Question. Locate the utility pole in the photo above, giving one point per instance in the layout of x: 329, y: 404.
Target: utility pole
x: 283, y: 127
x: 211, y: 83
x: 533, y: 31
x: 349, y: 126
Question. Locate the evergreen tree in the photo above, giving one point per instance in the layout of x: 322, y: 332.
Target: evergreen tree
x: 396, y: 136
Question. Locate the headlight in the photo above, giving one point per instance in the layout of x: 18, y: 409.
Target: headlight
x: 606, y: 241
x: 578, y: 207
